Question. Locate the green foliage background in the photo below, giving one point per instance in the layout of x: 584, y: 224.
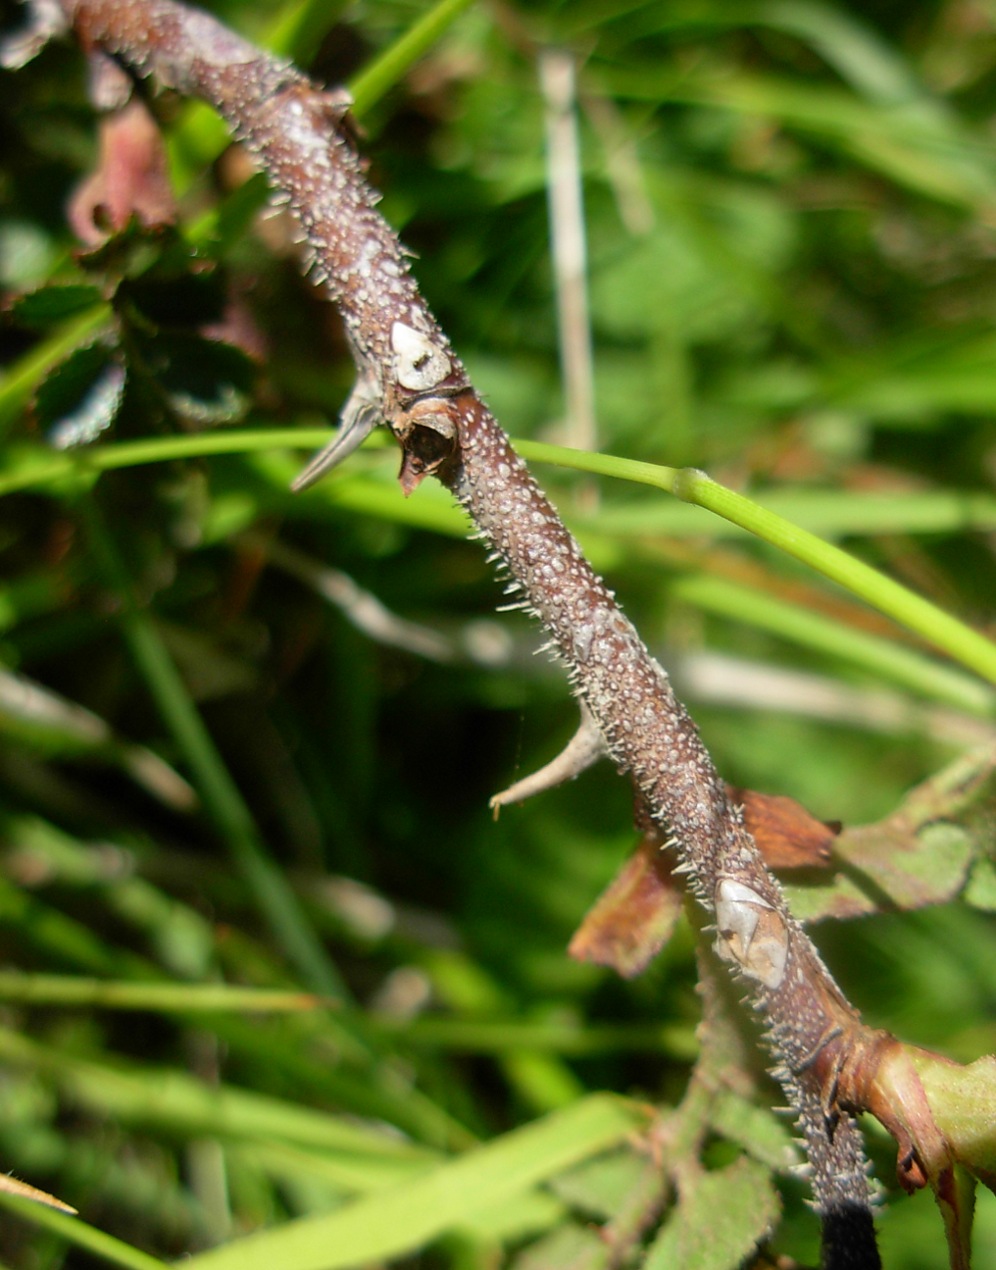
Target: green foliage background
x: 791, y: 211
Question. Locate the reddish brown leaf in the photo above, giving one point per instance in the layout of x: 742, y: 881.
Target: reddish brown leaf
x: 634, y: 917
x: 786, y: 834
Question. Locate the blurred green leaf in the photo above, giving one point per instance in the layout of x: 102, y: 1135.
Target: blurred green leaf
x: 204, y: 382
x: 50, y: 305
x: 80, y: 398
x: 390, y: 1223
x: 920, y: 854
x: 720, y: 1219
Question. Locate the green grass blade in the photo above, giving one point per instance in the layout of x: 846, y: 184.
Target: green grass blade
x: 179, y: 1105
x: 380, y: 75
x: 880, y: 657
x: 947, y: 633
x: 510, y: 1035
x: 831, y: 513
x: 942, y: 630
x: 77, y: 1233
x: 820, y: 511
x: 56, y: 934
x: 910, y: 144
x: 110, y: 994
x: 20, y: 380
x: 390, y: 1222
x: 221, y: 795
x: 34, y: 467
x: 857, y: 52
x: 297, y: 29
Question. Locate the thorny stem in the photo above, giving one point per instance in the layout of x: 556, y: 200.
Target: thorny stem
x: 409, y: 376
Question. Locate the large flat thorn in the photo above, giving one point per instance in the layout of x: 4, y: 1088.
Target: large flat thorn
x: 353, y: 432
x: 358, y: 418
x: 584, y: 748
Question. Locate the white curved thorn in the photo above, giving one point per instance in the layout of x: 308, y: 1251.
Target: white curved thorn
x: 359, y: 416
x: 350, y: 437
x: 418, y: 363
x: 584, y: 748
x: 751, y: 932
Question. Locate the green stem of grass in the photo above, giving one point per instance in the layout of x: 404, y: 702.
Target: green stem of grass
x: 21, y: 380
x: 876, y: 655
x: 39, y: 468
x: 945, y: 632
x: 221, y: 796
x: 115, y: 994
x: 80, y: 1235
x: 380, y: 75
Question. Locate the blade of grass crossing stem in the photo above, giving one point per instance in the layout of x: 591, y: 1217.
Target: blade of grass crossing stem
x: 290, y: 925
x: 945, y: 632
x: 910, y: 610
x: 38, y: 467
x: 386, y: 70
x: 114, y: 1251
x: 391, y: 1222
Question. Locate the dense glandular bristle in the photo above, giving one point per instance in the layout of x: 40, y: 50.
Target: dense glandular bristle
x: 291, y: 128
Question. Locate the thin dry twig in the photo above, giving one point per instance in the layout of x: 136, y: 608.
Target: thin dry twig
x: 570, y: 256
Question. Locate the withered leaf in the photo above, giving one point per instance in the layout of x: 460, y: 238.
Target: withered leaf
x: 633, y: 918
x: 786, y: 834
x: 636, y: 914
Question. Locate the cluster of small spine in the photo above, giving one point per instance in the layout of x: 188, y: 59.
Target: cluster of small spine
x: 292, y: 129
x: 651, y: 735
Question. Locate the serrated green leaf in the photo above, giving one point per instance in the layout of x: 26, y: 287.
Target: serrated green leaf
x: 599, y: 1187
x: 80, y: 399
x: 174, y: 297
x: 391, y: 1222
x: 757, y: 1129
x: 205, y: 382
x: 719, y: 1220
x: 50, y: 305
x: 918, y: 855
x: 566, y: 1248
